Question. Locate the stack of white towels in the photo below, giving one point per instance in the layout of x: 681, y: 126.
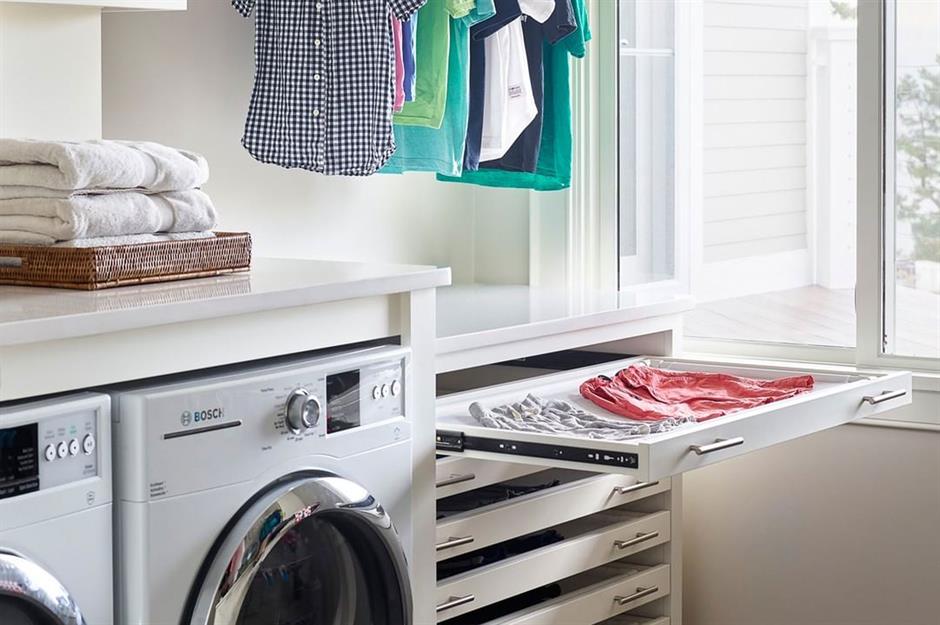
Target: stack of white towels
x: 94, y: 193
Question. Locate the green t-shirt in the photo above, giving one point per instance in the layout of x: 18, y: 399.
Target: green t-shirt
x: 432, y: 46
x: 553, y: 171
x: 441, y: 149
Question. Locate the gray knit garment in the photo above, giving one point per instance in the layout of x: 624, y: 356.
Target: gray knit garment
x: 535, y: 414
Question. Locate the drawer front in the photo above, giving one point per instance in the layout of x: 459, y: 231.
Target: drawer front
x: 489, y: 584
x: 458, y: 475
x: 598, y: 602
x: 771, y: 424
x: 840, y: 395
x: 469, y: 531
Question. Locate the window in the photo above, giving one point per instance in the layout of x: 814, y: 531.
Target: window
x: 775, y: 257
x: 796, y: 197
x: 912, y: 179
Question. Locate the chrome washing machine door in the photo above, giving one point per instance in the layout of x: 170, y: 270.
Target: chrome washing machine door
x: 30, y: 595
x: 312, y: 549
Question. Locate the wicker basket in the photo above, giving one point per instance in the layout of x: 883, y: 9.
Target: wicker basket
x: 105, y: 267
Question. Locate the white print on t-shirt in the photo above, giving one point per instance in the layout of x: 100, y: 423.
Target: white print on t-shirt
x: 509, y: 104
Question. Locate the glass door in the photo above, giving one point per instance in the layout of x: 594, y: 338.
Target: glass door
x: 315, y: 550
x: 30, y: 595
x: 646, y: 127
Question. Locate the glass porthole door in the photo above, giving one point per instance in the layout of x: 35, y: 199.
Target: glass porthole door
x: 313, y: 550
x: 30, y: 595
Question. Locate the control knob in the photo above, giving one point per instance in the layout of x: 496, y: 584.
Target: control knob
x: 303, y: 411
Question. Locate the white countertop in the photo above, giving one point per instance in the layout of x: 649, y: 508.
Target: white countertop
x: 29, y: 315
x: 475, y: 317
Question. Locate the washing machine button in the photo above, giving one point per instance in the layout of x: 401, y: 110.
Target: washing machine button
x: 50, y: 452
x: 73, y: 447
x: 63, y: 449
x: 376, y: 392
x: 386, y: 391
x: 396, y: 388
x: 88, y: 444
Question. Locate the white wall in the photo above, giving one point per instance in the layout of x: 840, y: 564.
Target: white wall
x: 50, y: 71
x: 185, y: 78
x: 838, y: 528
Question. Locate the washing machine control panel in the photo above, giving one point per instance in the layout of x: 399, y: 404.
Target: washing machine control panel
x: 333, y: 400
x: 363, y: 396
x: 49, y: 452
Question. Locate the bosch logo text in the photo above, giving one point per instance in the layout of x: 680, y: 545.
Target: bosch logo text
x: 201, y: 416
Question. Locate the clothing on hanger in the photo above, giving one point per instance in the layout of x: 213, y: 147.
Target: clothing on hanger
x: 508, y: 102
x: 408, y: 56
x: 543, y: 21
x: 523, y: 155
x: 399, y: 64
x: 553, y: 168
x: 324, y: 83
x: 442, y: 149
x: 432, y: 46
x: 505, y: 14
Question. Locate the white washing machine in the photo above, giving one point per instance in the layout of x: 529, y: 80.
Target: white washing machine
x: 272, y: 495
x: 55, y: 512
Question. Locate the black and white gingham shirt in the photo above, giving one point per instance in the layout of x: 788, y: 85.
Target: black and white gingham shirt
x: 324, y: 83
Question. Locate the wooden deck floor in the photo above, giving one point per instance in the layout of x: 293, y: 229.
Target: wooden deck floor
x: 814, y: 315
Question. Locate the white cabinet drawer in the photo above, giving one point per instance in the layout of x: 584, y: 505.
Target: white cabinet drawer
x: 468, y: 531
x: 840, y: 395
x: 590, y: 542
x: 457, y: 475
x: 598, y: 595
x: 629, y: 619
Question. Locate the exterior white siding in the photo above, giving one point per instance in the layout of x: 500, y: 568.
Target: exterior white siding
x: 755, y: 128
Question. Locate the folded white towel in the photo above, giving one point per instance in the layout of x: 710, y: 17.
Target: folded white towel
x: 18, y: 192
x: 135, y: 239
x: 139, y: 165
x: 28, y: 238
x: 112, y: 214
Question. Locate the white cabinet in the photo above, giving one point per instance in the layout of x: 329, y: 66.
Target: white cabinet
x: 578, y: 495
x: 577, y: 548
x: 589, y: 543
x: 600, y: 593
x: 616, y: 505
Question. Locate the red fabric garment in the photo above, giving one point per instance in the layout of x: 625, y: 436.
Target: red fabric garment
x: 650, y: 394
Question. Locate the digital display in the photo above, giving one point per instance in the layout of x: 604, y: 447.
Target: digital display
x: 342, y: 401
x: 19, y: 460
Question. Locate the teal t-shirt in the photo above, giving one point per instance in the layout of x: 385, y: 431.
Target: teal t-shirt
x: 440, y: 150
x: 553, y: 171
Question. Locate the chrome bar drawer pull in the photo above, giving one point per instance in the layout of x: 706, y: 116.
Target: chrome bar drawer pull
x: 456, y: 479
x: 455, y: 602
x: 640, y: 538
x: 639, y: 594
x: 623, y: 490
x: 886, y: 396
x: 718, y: 445
x: 452, y: 542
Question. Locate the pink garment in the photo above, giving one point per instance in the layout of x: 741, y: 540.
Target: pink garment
x: 399, y: 66
x: 649, y: 394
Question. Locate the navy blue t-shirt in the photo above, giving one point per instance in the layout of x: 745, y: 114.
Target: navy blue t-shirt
x: 524, y: 152
x: 506, y: 11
